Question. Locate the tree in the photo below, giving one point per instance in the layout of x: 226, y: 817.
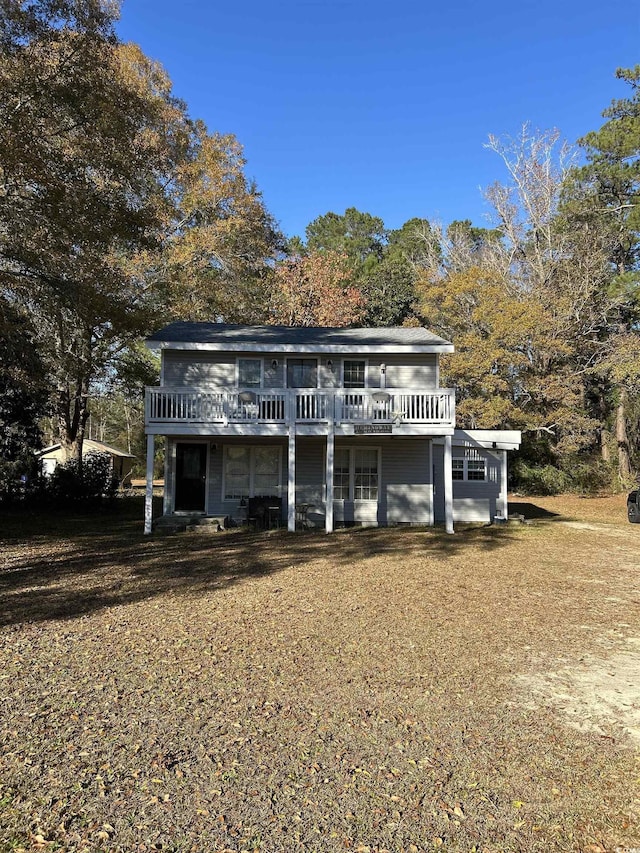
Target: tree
x: 500, y: 336
x: 315, y: 290
x: 23, y: 396
x: 116, y: 210
x: 605, y: 193
x: 415, y: 242
x: 389, y: 292
x: 357, y: 235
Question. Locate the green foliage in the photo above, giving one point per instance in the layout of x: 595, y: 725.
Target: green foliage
x: 23, y: 387
x: 415, y: 243
x: 355, y: 234
x: 537, y: 479
x: 92, y: 481
x: 389, y: 292
x: 587, y: 475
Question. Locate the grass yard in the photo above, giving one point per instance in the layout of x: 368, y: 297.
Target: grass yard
x: 375, y: 690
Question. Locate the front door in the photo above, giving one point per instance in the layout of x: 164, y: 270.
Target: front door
x: 191, y: 477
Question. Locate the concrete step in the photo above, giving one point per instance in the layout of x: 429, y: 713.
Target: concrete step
x: 193, y: 523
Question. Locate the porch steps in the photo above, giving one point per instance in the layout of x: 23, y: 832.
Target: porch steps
x: 192, y: 524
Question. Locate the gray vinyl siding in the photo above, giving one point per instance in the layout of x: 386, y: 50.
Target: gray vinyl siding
x: 198, y: 369
x: 473, y: 501
x: 310, y: 477
x: 404, y: 371
x: 405, y: 496
x: 273, y: 376
x: 218, y: 370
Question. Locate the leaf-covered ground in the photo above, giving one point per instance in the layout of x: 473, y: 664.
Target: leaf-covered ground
x: 373, y: 690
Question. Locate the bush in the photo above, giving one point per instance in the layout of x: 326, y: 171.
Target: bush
x: 539, y: 479
x: 582, y: 475
x: 93, y: 481
x: 586, y: 475
x: 18, y: 477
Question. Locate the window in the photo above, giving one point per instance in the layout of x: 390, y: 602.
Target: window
x: 354, y: 374
x: 302, y: 373
x: 366, y: 475
x: 249, y: 372
x: 341, y: 474
x: 472, y: 467
x: 476, y: 469
x: 355, y: 474
x: 250, y: 471
x: 457, y: 468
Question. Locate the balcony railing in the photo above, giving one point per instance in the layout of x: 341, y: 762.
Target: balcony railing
x: 166, y: 405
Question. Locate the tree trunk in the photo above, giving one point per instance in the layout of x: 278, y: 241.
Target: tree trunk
x: 622, y: 439
x: 73, y: 404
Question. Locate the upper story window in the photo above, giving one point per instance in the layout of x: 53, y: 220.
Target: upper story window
x: 249, y: 372
x: 302, y: 373
x: 464, y: 468
x: 354, y: 373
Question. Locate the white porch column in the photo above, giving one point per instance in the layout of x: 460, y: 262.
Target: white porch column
x: 328, y: 510
x: 503, y: 507
x: 448, y: 485
x: 148, y: 495
x: 169, y: 452
x: 432, y: 496
x: 291, y: 488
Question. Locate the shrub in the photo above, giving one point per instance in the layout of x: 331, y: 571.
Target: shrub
x: 91, y: 481
x: 539, y: 479
x: 587, y: 475
x: 18, y: 477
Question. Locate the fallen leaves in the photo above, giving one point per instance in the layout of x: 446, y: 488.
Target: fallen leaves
x: 194, y: 714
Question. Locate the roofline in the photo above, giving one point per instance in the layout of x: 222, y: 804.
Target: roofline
x: 108, y: 449
x: 332, y: 349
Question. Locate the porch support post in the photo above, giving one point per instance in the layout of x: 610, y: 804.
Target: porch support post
x: 432, y: 489
x: 328, y: 510
x: 148, y: 496
x: 291, y: 488
x: 169, y: 450
x: 448, y: 485
x: 504, y: 503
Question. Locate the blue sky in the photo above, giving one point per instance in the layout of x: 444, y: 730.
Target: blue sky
x: 386, y: 106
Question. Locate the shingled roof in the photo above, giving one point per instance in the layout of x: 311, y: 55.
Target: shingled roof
x: 183, y: 335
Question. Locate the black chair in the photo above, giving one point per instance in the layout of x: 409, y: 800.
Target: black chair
x: 264, y: 511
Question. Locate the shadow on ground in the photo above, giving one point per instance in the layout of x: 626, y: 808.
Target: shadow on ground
x: 532, y: 511
x: 62, y: 566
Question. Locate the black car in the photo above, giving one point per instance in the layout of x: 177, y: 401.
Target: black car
x: 633, y: 507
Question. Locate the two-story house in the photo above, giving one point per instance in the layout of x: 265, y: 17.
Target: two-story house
x: 333, y: 427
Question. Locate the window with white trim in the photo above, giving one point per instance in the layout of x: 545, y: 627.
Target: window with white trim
x: 341, y: 474
x: 472, y: 467
x: 250, y: 471
x: 249, y: 372
x: 356, y: 474
x: 354, y: 373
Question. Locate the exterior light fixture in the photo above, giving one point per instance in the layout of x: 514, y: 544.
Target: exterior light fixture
x: 274, y: 364
x: 330, y: 365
